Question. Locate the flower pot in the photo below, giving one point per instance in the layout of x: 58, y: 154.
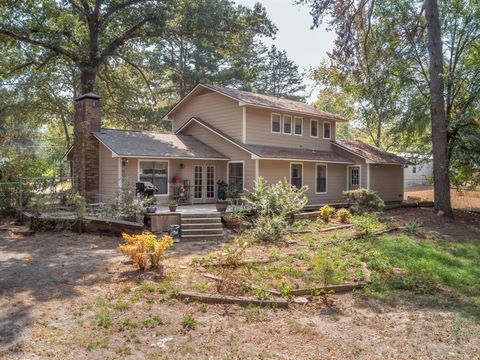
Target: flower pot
x: 221, y: 206
x: 172, y: 208
x: 151, y: 209
x: 232, y: 224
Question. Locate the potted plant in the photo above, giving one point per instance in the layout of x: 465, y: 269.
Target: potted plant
x: 222, y: 202
x: 151, y: 202
x: 172, y: 205
x: 234, y: 218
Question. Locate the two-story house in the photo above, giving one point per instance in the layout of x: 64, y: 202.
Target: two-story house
x: 236, y: 136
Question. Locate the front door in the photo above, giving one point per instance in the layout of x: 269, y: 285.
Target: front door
x: 210, y: 181
x: 198, y: 183
x: 353, y: 177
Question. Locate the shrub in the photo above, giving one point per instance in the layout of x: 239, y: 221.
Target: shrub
x: 364, y: 200
x: 365, y: 224
x: 269, y: 228
x: 414, y: 225
x: 145, y: 249
x: 188, y: 322
x: 274, y: 199
x: 344, y: 216
x: 78, y: 203
x: 326, y: 212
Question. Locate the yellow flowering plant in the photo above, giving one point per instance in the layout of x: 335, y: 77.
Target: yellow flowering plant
x: 146, y: 249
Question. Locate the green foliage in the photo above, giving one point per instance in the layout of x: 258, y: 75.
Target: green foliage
x: 267, y: 228
x: 343, y: 215
x: 324, y: 268
x: 281, y: 198
x: 235, y: 213
x: 327, y: 212
x: 414, y: 225
x: 79, y: 205
x: 366, y: 224
x: 188, y: 323
x: 364, y: 200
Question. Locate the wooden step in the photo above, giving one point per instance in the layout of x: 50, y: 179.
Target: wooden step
x: 211, y: 225
x: 216, y: 231
x: 200, y: 220
x: 211, y: 237
x: 201, y: 215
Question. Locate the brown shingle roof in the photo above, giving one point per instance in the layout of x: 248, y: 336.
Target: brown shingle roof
x: 276, y: 152
x: 273, y: 102
x: 151, y: 144
x: 370, y: 153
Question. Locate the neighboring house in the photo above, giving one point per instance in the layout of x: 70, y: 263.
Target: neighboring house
x: 236, y: 136
x: 418, y: 171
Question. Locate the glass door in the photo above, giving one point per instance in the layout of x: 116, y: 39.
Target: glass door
x: 198, y: 182
x: 210, y: 180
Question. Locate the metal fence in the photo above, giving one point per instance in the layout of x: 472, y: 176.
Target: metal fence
x: 15, y: 196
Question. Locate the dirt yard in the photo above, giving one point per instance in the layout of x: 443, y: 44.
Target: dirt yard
x: 70, y: 296
x: 469, y: 200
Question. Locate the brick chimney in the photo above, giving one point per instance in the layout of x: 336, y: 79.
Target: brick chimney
x: 86, y: 147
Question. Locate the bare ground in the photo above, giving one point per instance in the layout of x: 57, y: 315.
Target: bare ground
x: 465, y: 199
x: 56, y: 287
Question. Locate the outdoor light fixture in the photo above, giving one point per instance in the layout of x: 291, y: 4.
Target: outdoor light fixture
x: 124, y: 162
x: 182, y: 166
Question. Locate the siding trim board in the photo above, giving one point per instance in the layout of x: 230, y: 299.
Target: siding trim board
x: 244, y: 124
x: 254, y: 157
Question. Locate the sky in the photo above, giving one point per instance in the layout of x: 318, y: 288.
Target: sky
x: 304, y: 46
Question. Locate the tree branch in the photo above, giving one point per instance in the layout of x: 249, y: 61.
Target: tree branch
x: 46, y: 45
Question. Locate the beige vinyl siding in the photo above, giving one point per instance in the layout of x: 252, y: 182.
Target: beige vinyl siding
x: 218, y: 110
x: 233, y: 152
x: 259, y: 131
x: 130, y: 173
x: 276, y: 170
x: 358, y: 161
x: 387, y: 180
x: 108, y: 174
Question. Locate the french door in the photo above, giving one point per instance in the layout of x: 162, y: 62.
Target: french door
x: 203, y: 182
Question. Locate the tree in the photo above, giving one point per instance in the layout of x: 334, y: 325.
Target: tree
x: 404, y: 24
x: 277, y: 75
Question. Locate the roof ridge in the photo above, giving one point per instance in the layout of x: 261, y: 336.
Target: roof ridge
x: 139, y: 131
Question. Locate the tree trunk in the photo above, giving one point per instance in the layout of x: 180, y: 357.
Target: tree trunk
x: 88, y: 76
x: 437, y: 109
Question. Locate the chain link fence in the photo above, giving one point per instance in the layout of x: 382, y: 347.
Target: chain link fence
x: 15, y: 196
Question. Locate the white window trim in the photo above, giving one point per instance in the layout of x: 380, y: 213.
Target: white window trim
x: 283, y: 124
x: 214, y: 181
x: 326, y: 178
x: 280, y: 123
x: 301, y: 127
x: 243, y: 171
x: 311, y: 121
x: 168, y: 173
x: 296, y: 163
x: 330, y: 124
x: 359, y: 176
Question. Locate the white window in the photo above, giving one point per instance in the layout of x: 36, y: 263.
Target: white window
x: 296, y: 174
x: 320, y: 179
x: 235, y: 176
x: 354, y: 176
x: 287, y: 124
x: 276, y: 121
x: 156, y: 173
x: 298, y: 128
x: 414, y: 170
x: 313, y: 128
x: 327, y: 128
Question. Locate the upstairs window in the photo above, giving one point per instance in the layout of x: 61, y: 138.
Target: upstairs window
x: 298, y: 128
x: 327, y: 128
x: 276, y: 120
x: 313, y: 128
x: 287, y: 124
x: 296, y: 175
x: 321, y: 179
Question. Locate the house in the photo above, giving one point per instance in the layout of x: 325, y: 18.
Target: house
x: 235, y: 136
x: 418, y: 171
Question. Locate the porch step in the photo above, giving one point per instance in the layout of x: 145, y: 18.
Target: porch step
x: 211, y: 237
x: 203, y: 226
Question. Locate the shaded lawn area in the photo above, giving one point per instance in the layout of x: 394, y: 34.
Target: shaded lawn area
x: 68, y: 296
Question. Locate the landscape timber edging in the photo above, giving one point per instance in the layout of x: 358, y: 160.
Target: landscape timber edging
x: 225, y: 299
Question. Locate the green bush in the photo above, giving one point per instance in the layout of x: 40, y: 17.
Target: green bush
x: 365, y: 224
x: 344, y: 216
x: 326, y: 212
x: 269, y: 228
x: 364, y: 200
x: 274, y: 199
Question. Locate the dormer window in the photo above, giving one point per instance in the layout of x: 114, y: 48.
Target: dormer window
x: 287, y: 124
x: 276, y: 123
x: 313, y: 128
x: 327, y: 129
x: 298, y: 126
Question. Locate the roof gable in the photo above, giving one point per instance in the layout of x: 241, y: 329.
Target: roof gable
x: 258, y: 100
